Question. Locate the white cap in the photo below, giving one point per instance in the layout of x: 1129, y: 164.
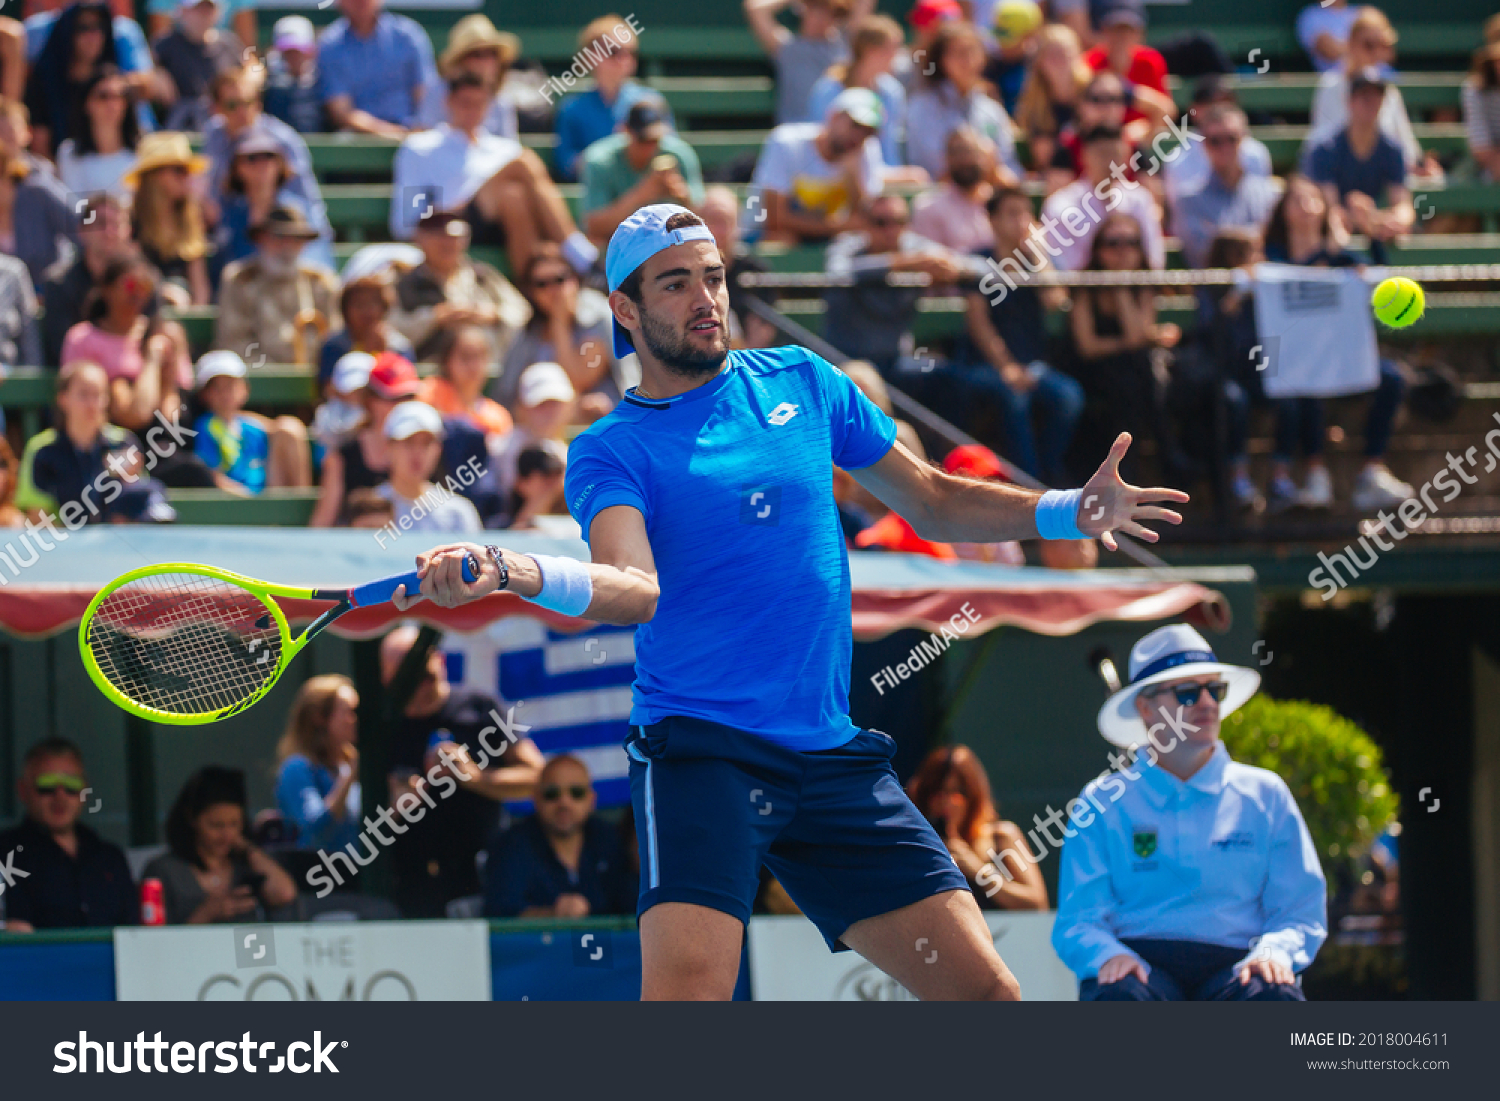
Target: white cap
x: 411, y: 417
x: 214, y: 364
x: 294, y: 32
x: 352, y: 371
x: 544, y: 382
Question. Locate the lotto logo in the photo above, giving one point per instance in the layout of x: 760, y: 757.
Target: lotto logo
x: 782, y: 413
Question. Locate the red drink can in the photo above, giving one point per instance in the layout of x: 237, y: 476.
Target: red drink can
x: 153, y: 904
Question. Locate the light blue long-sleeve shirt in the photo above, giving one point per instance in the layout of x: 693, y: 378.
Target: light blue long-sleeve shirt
x: 301, y: 788
x: 1223, y: 858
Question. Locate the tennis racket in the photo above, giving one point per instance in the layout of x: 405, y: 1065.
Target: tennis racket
x: 187, y: 644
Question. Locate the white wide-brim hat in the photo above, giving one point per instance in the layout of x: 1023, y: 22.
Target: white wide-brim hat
x: 1174, y: 652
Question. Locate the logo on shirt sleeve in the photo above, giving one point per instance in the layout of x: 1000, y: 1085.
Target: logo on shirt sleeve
x: 760, y: 504
x: 781, y: 414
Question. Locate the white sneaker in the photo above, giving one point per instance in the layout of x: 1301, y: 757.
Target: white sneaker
x: 1377, y: 488
x: 1317, y: 492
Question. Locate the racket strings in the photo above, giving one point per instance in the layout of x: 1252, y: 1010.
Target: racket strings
x: 185, y: 643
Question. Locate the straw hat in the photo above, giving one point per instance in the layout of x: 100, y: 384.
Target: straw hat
x: 471, y: 34
x: 163, y: 149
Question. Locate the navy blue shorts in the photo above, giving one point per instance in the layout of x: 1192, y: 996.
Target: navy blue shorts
x: 834, y: 826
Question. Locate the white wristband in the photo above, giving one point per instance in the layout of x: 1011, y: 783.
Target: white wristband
x: 567, y: 586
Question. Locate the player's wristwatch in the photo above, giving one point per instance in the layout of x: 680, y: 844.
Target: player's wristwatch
x: 499, y: 558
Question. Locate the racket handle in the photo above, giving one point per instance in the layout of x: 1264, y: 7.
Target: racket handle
x: 379, y: 592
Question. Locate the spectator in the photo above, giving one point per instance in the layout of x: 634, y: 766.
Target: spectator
x: 20, y: 341
x: 103, y: 147
x: 1008, y: 333
x: 721, y: 214
x: 79, y: 42
x: 570, y: 325
x: 317, y: 775
x: 954, y: 94
x: 1108, y: 101
x: 210, y: 873
x: 1302, y: 230
x: 104, y: 229
x: 363, y: 462
x: 454, y: 730
x: 190, y: 55
x: 12, y: 59
x: 368, y: 509
x: 926, y: 17
x: 502, y: 190
x: 343, y: 413
x: 132, y: 53
x: 234, y: 15
x: 465, y: 355
x: 414, y: 441
x: 294, y: 83
x: 1104, y: 152
x: 376, y: 65
x: 812, y: 179
x: 168, y: 217
x: 42, y: 222
x: 953, y: 213
x: 73, y: 471
x: 145, y: 357
x: 1481, y: 102
x: 449, y: 288
x: 365, y: 304
x: 1050, y: 94
x: 237, y: 95
x: 1121, y: 51
x: 585, y: 117
x: 1114, y: 331
x: 276, y: 303
x: 538, y: 489
x: 1189, y: 168
x: 871, y: 319
x: 1372, y: 42
x: 1361, y: 171
x: 256, y: 185
x: 1233, y: 901
x: 799, y: 59
x: 952, y: 791
x: 1323, y: 30
x: 1230, y: 197
x: 74, y: 878
x: 544, y: 405
x: 977, y: 461
x: 476, y: 46
x: 645, y: 163
x: 10, y: 468
x: 246, y: 451
x: 562, y: 861
x: 873, y: 44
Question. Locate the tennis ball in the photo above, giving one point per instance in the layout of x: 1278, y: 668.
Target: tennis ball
x: 1014, y: 20
x: 1398, y: 302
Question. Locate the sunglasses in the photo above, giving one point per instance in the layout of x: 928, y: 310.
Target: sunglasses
x: 556, y: 280
x: 1222, y: 139
x: 1119, y: 242
x: 48, y: 783
x: 1104, y: 101
x: 1187, y: 694
x: 887, y: 223
x: 576, y: 792
x: 258, y: 158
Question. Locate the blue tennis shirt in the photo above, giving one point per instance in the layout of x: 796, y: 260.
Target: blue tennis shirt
x: 734, y: 479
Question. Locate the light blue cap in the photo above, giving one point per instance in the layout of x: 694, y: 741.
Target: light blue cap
x: 638, y: 238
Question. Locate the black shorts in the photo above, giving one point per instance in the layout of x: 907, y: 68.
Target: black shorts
x: 482, y: 231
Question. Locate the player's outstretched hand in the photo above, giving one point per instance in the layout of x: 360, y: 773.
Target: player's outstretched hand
x: 1109, y: 505
x: 441, y: 570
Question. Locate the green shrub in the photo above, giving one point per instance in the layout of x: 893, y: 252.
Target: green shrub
x: 1333, y: 768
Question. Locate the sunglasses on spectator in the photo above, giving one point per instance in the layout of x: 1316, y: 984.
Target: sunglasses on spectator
x: 1187, y: 694
x: 543, y: 284
x: 887, y: 222
x: 1222, y: 139
x: 1119, y: 242
x: 48, y: 783
x: 1105, y: 100
x: 576, y: 792
x: 259, y: 158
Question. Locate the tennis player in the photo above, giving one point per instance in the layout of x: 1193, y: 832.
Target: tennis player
x: 706, y: 500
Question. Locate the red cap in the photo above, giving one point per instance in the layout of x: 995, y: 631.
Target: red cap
x: 393, y: 377
x: 928, y: 12
x: 975, y: 460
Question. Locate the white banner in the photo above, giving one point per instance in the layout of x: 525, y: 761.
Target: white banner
x: 1316, y: 332
x: 790, y: 963
x: 366, y: 961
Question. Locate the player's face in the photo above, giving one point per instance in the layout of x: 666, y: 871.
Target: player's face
x: 684, y: 307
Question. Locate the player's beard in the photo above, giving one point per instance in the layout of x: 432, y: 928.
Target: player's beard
x: 672, y: 350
